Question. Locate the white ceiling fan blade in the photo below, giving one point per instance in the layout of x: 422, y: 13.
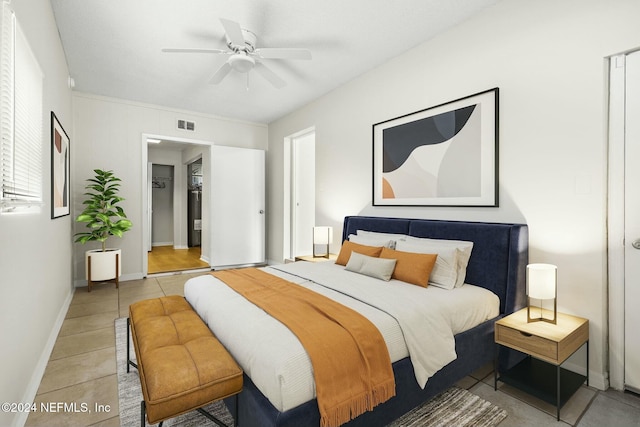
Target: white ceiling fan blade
x: 193, y: 50
x: 283, y: 53
x: 270, y: 75
x: 234, y: 31
x: 220, y: 74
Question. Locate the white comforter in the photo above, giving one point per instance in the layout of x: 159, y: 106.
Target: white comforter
x: 413, y: 321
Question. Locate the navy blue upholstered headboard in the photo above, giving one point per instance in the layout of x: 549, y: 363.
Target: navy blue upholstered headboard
x: 498, y: 260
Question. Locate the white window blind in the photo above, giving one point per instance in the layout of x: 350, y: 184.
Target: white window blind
x: 21, y: 133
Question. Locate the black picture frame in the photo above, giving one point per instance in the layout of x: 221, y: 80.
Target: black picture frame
x: 445, y: 155
x: 60, y: 170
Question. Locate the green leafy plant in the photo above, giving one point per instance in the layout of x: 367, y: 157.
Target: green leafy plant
x: 102, y: 216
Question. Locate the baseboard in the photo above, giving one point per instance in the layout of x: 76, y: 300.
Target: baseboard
x: 38, y: 372
x: 161, y: 244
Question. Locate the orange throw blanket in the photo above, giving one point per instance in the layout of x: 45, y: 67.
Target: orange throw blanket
x: 351, y: 364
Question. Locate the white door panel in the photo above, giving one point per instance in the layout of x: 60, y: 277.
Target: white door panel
x: 632, y: 222
x: 237, y: 206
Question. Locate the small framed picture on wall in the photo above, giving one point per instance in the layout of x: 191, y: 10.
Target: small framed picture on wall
x: 60, y: 169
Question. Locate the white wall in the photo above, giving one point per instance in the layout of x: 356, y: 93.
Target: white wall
x: 107, y: 134
x: 35, y: 250
x: 548, y: 59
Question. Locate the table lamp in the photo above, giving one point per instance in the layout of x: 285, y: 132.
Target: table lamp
x: 542, y: 282
x: 322, y: 235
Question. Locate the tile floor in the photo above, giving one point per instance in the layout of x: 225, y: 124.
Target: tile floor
x: 82, y: 371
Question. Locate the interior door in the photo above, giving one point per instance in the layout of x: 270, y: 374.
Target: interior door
x: 237, y: 206
x: 632, y: 222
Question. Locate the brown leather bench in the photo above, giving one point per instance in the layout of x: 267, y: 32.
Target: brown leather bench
x: 182, y: 366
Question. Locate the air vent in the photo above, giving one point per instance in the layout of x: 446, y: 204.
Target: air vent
x: 186, y: 125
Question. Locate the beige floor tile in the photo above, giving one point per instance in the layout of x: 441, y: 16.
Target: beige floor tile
x: 111, y: 422
x: 97, y: 294
x: 134, y: 284
x: 76, y: 325
x: 79, y: 405
x: 173, y: 288
x: 103, y: 306
x: 84, y: 342
x: 141, y: 291
x: 176, y: 278
x: 77, y: 369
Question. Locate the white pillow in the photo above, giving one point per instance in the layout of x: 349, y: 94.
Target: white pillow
x: 445, y: 271
x: 380, y: 268
x: 372, y: 241
x: 463, y: 258
x: 391, y: 236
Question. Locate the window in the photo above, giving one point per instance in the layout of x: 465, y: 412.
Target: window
x: 21, y: 83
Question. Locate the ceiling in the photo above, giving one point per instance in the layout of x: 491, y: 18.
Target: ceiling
x: 113, y: 48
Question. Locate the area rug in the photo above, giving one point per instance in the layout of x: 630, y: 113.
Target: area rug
x: 454, y: 407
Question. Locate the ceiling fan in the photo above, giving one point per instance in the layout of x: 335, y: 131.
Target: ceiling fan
x: 244, y: 56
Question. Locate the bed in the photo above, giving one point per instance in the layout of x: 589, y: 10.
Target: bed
x: 497, y: 263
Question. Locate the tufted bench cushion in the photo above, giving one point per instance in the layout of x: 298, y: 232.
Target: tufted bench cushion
x: 182, y: 366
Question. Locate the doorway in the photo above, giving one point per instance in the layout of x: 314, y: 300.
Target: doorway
x: 300, y: 205
x: 167, y: 248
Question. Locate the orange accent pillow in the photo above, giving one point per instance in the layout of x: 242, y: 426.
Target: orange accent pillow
x: 411, y: 267
x: 348, y: 247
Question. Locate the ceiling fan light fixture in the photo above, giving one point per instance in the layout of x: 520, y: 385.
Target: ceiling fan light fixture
x: 242, y: 63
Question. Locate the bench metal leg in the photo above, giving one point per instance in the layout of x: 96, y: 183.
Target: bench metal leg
x: 129, y: 362
x: 217, y: 421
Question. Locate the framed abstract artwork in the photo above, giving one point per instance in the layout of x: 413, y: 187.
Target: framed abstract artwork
x: 60, y: 168
x: 445, y: 155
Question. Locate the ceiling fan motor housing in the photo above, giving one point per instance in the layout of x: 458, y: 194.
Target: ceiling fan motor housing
x: 242, y: 62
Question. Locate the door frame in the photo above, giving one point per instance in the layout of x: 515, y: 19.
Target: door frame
x: 615, y: 223
x: 145, y: 193
x: 616, y: 218
x: 288, y: 220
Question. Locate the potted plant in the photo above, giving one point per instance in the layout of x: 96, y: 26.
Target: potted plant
x: 103, y: 218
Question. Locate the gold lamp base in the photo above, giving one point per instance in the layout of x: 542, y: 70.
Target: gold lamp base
x: 542, y: 318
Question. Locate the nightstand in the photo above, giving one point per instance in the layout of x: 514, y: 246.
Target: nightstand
x: 311, y: 258
x: 547, y: 346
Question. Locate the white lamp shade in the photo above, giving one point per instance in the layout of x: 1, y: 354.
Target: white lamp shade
x: 541, y: 281
x: 322, y: 235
